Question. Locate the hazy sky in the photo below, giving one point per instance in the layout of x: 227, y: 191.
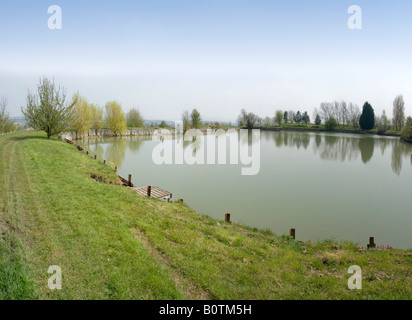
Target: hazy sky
x: 167, y: 56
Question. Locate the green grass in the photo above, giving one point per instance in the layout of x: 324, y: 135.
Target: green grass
x: 113, y: 244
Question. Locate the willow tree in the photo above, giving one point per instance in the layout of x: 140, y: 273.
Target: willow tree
x: 115, y: 119
x: 81, y: 116
x: 279, y: 117
x: 48, y: 110
x: 134, y: 119
x: 96, y: 118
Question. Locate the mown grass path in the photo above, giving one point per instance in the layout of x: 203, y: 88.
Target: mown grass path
x: 113, y: 244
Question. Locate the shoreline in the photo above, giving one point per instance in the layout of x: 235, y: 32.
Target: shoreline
x: 102, y: 133
x: 71, y: 135
x: 126, y: 182
x: 178, y: 252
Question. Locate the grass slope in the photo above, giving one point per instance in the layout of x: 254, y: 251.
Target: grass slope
x: 113, y: 244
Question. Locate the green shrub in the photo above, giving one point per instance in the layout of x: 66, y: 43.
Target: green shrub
x: 406, y: 132
x: 331, y: 124
x: 381, y: 129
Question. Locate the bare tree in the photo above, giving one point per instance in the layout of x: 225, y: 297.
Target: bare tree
x: 267, y: 121
x: 248, y: 120
x: 344, y: 113
x: 398, y: 112
x: 259, y: 121
x: 354, y: 115
x: 327, y: 111
x: 337, y: 112
x: 384, y: 119
x: 4, y: 116
x: 291, y: 116
x: 315, y: 113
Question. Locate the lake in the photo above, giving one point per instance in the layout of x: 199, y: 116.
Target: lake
x: 325, y: 185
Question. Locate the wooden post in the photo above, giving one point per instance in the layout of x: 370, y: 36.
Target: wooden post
x: 129, y: 183
x: 227, y: 217
x: 371, y: 243
x: 292, y: 233
x: 115, y: 168
x: 149, y: 191
x: 87, y: 152
x: 104, y: 161
x: 95, y: 156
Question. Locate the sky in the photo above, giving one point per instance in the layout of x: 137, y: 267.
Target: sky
x: 219, y: 56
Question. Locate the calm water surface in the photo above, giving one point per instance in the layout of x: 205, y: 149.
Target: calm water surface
x: 324, y: 185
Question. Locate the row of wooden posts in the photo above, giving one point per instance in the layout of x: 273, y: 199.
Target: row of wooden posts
x: 129, y: 178
x: 292, y: 233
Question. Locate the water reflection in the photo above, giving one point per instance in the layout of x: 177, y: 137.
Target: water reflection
x: 343, y: 147
x: 116, y: 151
x: 366, y: 146
x: 134, y: 144
x: 339, y: 148
x: 95, y: 147
x: 399, y: 151
x: 113, y: 149
x: 363, y: 161
x: 336, y: 147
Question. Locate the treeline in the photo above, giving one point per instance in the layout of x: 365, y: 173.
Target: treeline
x: 332, y: 115
x: 193, y: 120
x: 49, y: 110
x: 251, y: 120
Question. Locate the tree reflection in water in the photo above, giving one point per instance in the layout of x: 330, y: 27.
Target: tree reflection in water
x: 116, y: 150
x: 94, y: 145
x: 328, y: 146
x: 366, y: 146
x: 344, y: 148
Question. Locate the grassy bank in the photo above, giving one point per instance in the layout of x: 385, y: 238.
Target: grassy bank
x: 112, y: 244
